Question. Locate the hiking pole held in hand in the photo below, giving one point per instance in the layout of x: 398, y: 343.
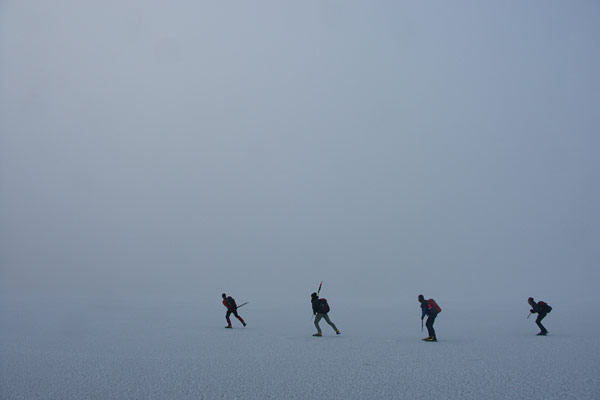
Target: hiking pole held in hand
x: 529, y: 315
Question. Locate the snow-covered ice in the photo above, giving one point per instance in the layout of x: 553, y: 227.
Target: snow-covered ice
x: 80, y: 348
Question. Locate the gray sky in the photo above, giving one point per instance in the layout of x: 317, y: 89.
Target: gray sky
x: 385, y: 147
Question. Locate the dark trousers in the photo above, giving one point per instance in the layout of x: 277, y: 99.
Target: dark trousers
x: 234, y: 312
x: 429, y: 325
x: 538, y: 321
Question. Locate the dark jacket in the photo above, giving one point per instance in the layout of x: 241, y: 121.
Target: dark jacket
x: 315, y: 305
x: 427, y: 308
x: 540, y: 308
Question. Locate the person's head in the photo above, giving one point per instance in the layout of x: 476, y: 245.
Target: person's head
x: 421, y: 298
x: 530, y: 300
x: 223, y: 295
x: 314, y: 295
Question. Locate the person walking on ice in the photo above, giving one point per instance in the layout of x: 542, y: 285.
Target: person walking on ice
x: 229, y: 303
x: 541, y: 309
x: 320, y: 309
x: 431, y: 309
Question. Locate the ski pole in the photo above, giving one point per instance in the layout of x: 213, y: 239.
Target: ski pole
x: 529, y: 315
x: 421, y: 325
x: 243, y: 304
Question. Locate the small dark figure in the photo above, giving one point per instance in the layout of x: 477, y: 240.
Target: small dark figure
x: 229, y: 302
x: 541, y: 309
x: 320, y: 309
x: 431, y: 309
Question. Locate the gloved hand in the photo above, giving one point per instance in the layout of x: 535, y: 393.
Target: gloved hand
x: 422, y: 317
x: 532, y: 311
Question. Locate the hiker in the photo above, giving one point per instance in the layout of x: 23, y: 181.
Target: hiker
x: 320, y: 309
x: 431, y: 309
x: 229, y: 302
x: 541, y: 309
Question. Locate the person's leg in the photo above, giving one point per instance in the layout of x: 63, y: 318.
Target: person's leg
x: 326, y: 317
x: 538, y: 321
x: 317, y: 319
x: 238, y: 317
x: 227, y: 318
x: 429, y: 325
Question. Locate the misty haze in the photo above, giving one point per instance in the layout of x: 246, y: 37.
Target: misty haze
x: 154, y: 155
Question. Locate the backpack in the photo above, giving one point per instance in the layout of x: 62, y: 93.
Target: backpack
x: 323, y: 306
x: 231, y: 302
x: 432, y: 305
x: 545, y: 306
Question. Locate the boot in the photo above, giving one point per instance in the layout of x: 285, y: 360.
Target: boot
x: 338, y: 332
x: 430, y: 339
x: 228, y: 327
x: 318, y: 334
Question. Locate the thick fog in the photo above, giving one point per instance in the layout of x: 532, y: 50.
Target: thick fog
x: 387, y: 148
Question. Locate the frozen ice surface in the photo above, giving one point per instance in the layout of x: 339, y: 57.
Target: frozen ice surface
x: 77, y: 348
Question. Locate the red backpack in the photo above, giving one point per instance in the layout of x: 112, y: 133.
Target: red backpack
x: 431, y: 304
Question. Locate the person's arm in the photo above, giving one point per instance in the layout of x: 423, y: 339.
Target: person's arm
x: 534, y: 308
